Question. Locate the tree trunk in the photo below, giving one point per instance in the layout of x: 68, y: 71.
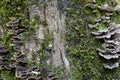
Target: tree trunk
x: 57, y: 38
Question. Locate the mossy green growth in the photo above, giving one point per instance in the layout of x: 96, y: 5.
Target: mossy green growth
x: 59, y: 72
x: 101, y: 26
x: 47, y: 40
x: 10, y: 9
x: 116, y: 18
x: 85, y: 62
x: 101, y: 2
x: 8, y: 75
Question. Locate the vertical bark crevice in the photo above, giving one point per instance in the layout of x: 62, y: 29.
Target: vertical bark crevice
x: 50, y: 17
x: 56, y: 16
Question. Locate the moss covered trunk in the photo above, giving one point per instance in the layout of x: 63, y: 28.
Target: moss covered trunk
x: 57, y: 38
x: 83, y: 18
x: 44, y: 37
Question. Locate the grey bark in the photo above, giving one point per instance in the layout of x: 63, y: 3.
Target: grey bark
x: 55, y: 17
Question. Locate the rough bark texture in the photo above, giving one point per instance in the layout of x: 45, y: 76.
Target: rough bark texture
x: 58, y: 37
x: 56, y: 25
x: 51, y: 19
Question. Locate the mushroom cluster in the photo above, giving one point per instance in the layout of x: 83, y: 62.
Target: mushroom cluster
x: 5, y: 62
x: 28, y: 73
x: 111, y: 46
x: 18, y: 61
x: 110, y: 35
x: 22, y: 71
x: 105, y: 7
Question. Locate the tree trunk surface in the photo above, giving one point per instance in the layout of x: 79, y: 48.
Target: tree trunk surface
x: 58, y: 38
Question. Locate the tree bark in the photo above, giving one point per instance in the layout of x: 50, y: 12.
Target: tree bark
x: 58, y: 38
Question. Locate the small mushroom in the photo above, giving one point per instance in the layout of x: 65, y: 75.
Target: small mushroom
x: 111, y: 65
x: 17, y: 42
x: 115, y: 42
x: 98, y: 20
x: 107, y: 33
x: 106, y: 7
x: 22, y: 72
x: 12, y: 26
x: 15, y: 39
x: 109, y: 14
x: 106, y: 21
x: 21, y: 59
x: 3, y: 50
x: 2, y: 57
x: 109, y: 56
x: 16, y: 48
x: 91, y: 5
x: 93, y: 26
x: 49, y: 47
x: 13, y: 22
x: 34, y: 72
x: 12, y: 64
x: 5, y: 66
x: 117, y: 8
x: 15, y: 32
x: 52, y: 77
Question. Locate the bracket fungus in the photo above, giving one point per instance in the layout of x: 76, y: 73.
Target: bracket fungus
x: 117, y: 8
x: 106, y: 8
x: 93, y: 26
x: 13, y: 23
x: 18, y: 60
x: 111, y: 66
x: 50, y: 76
x: 110, y: 47
x: 91, y: 5
x: 5, y: 61
x: 110, y: 35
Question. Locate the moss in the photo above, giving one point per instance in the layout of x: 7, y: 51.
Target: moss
x: 101, y: 2
x: 9, y: 9
x: 58, y: 72
x: 116, y: 17
x: 101, y: 26
x: 81, y: 45
x: 8, y: 75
